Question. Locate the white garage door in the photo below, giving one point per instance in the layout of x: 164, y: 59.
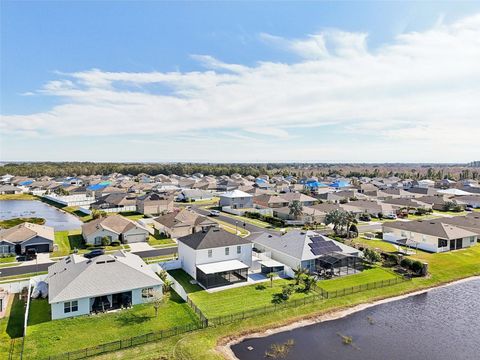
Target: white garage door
x: 133, y: 238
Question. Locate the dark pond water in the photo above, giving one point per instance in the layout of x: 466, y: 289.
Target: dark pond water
x: 443, y: 324
x: 31, y: 208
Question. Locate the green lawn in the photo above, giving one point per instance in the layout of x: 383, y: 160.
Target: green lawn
x: 132, y: 215
x: 67, y: 241
x: 46, y: 338
x: 184, y: 279
x: 375, y: 244
x: 154, y: 240
x: 7, y: 259
x: 239, y: 230
x: 363, y: 278
x: 6, y: 224
x: 453, y: 213
x: 242, y: 298
x: 11, y: 327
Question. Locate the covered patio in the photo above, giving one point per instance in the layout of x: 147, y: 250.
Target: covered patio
x: 222, y: 273
x: 338, y: 264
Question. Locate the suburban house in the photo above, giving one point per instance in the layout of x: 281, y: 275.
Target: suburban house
x: 309, y: 250
x: 469, y: 200
x: 80, y: 286
x: 236, y: 199
x: 154, y: 203
x: 305, y: 200
x: 182, y: 223
x: 429, y: 235
x: 26, y: 236
x: 270, y: 201
x: 10, y: 189
x: 215, y: 257
x: 309, y: 215
x: 194, y: 195
x: 116, y: 202
x: 115, y: 228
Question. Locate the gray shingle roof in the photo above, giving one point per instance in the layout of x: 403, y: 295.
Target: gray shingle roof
x: 75, y: 277
x: 212, y: 238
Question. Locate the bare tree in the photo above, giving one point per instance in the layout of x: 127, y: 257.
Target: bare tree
x: 158, y: 298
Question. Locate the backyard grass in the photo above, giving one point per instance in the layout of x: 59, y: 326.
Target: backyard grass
x: 185, y: 280
x: 75, y: 210
x: 375, y: 244
x: 46, y: 337
x: 18, y: 197
x: 5, y: 279
x: 11, y: 327
x: 242, y: 298
x: 365, y: 277
x: 154, y: 240
x: 452, y: 213
x: 132, y: 215
x: 6, y: 224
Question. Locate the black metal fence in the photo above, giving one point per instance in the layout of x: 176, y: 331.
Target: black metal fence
x: 126, y: 343
x: 359, y: 288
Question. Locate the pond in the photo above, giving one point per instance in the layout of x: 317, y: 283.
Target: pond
x: 32, y: 208
x: 442, y: 324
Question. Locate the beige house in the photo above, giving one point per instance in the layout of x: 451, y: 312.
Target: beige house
x: 429, y: 235
x: 182, y: 223
x: 154, y: 204
x: 115, y: 228
x: 26, y: 236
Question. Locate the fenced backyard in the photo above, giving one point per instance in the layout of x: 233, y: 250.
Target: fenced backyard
x: 198, y: 301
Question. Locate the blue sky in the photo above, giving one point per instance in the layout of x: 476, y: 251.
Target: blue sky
x: 239, y: 81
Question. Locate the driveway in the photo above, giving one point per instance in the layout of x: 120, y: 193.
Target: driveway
x: 140, y: 246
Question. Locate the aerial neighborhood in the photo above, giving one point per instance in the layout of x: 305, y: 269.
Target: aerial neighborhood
x: 177, y: 247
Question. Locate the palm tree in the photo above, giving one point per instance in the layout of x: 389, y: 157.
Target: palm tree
x: 350, y: 219
x: 337, y: 218
x: 296, y: 209
x: 271, y: 276
x: 299, y: 272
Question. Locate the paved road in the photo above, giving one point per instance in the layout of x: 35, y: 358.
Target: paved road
x: 253, y: 229
x: 19, y: 270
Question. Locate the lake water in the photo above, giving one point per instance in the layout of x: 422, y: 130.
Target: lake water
x: 443, y: 324
x: 32, y: 208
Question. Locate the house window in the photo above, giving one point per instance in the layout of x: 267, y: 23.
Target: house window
x: 442, y: 243
x: 70, y: 306
x: 404, y: 234
x: 210, y: 252
x: 227, y: 251
x: 147, y: 293
x: 472, y: 239
x: 239, y: 249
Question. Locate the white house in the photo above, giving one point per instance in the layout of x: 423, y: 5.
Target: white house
x: 236, y: 199
x: 215, y: 257
x: 78, y: 286
x: 115, y: 228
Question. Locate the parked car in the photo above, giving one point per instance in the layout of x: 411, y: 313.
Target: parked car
x: 390, y: 216
x: 214, y: 213
x: 30, y: 254
x: 94, y: 253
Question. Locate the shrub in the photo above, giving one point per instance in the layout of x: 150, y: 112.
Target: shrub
x: 406, y: 263
x: 115, y: 243
x: 416, y: 266
x: 365, y: 217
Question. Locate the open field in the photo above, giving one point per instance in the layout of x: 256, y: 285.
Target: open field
x: 46, y: 337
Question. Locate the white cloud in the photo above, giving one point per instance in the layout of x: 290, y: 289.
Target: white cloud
x: 421, y: 88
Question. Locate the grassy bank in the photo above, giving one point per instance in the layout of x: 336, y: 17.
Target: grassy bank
x: 6, y: 224
x: 18, y: 197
